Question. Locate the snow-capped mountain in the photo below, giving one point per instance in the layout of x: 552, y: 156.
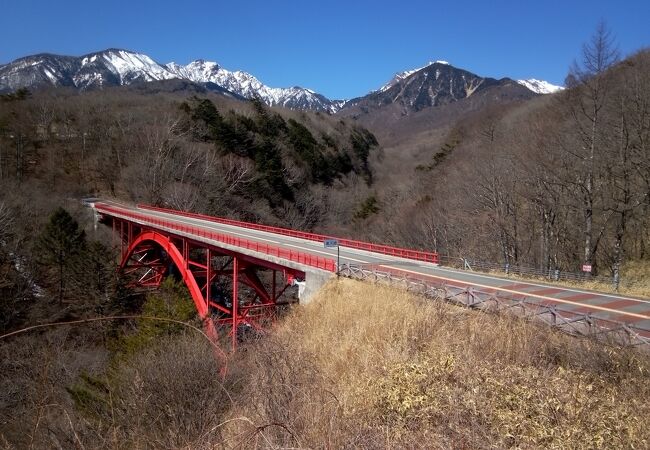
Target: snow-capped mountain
x: 124, y: 66
x: 115, y: 67
x: 537, y: 86
x: 108, y: 68
x: 436, y: 84
x: 433, y: 87
x: 540, y: 86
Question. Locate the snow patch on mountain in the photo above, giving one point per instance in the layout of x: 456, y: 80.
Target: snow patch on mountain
x: 407, y: 73
x: 396, y: 79
x: 49, y: 74
x: 540, y: 86
x: 87, y: 60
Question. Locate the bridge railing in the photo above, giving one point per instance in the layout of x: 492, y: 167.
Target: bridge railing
x: 291, y: 255
x: 418, y: 255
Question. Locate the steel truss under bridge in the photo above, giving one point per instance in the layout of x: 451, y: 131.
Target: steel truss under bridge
x: 231, y: 291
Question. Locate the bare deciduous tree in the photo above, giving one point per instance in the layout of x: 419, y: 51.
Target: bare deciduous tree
x: 591, y: 86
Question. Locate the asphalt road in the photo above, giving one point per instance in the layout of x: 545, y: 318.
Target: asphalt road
x: 630, y: 310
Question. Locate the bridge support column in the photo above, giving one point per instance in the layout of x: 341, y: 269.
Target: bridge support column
x: 208, y: 278
x: 235, y: 301
x: 122, y: 238
x: 273, y: 286
x: 314, y: 280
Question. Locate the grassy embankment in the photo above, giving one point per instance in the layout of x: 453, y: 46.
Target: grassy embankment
x: 369, y: 366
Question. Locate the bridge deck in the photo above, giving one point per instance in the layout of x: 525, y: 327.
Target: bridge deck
x: 630, y: 310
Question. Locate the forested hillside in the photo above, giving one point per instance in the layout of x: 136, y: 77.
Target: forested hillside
x: 556, y: 182
x: 204, y: 153
x: 553, y: 181
x: 232, y: 157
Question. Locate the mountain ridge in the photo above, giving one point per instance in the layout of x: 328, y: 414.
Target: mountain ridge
x: 119, y: 67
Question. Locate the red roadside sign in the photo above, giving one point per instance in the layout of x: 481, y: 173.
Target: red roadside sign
x: 586, y: 268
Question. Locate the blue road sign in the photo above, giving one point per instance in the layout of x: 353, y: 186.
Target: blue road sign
x: 330, y: 243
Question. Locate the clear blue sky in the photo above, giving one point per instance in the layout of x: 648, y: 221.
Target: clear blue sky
x: 341, y: 49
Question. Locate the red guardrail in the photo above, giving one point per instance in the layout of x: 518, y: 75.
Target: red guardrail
x: 376, y: 248
x: 299, y: 257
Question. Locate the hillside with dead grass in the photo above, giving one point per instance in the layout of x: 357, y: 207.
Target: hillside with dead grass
x: 366, y: 366
x: 362, y: 366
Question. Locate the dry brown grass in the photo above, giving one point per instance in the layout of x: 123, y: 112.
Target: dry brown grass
x: 367, y: 366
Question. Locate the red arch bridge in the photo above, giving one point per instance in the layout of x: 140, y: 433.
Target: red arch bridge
x: 238, y: 273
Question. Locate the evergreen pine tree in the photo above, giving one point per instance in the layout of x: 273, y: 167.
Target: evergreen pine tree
x: 60, y: 246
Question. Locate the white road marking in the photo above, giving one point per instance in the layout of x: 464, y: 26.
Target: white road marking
x: 525, y: 294
x: 546, y: 286
x: 247, y: 236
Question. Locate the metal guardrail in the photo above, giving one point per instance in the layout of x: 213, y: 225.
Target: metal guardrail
x: 579, y: 324
x: 528, y: 271
x: 291, y: 255
x: 418, y: 255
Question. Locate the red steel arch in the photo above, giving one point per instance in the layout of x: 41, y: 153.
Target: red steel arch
x: 181, y: 263
x: 141, y: 257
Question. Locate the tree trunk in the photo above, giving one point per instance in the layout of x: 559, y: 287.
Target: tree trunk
x: 61, y: 285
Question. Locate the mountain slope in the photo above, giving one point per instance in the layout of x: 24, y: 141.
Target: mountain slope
x: 412, y: 116
x: 38, y: 70
x: 115, y: 67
